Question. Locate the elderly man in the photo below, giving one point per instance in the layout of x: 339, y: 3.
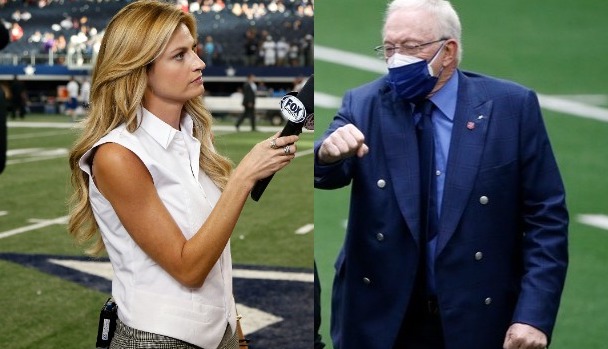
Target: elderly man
x: 457, y: 236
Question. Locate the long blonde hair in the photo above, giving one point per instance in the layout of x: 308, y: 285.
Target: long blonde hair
x: 133, y: 39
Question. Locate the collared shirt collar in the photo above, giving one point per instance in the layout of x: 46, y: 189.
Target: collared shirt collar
x: 445, y: 98
x: 160, y: 130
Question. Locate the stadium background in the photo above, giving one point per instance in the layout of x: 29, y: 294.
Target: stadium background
x: 556, y: 48
x: 50, y: 293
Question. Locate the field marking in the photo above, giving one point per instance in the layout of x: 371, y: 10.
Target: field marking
x: 366, y: 63
x: 305, y: 229
x: 35, y: 226
x: 38, y: 134
x: 304, y: 152
x: 3, y: 213
x: 272, y: 275
x: 328, y: 101
x: 35, y: 154
x: 33, y: 159
x: 104, y: 270
x: 594, y: 220
x: 593, y: 99
x: 257, y: 319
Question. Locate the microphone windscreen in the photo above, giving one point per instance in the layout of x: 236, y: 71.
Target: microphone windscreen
x: 4, y: 38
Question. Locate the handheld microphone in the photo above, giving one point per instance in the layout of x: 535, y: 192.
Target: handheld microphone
x: 298, y: 108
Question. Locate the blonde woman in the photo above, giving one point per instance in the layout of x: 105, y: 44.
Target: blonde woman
x: 150, y: 186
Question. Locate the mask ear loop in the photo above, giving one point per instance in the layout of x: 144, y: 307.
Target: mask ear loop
x: 433, y: 59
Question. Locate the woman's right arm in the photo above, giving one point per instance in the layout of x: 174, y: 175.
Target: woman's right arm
x: 125, y: 181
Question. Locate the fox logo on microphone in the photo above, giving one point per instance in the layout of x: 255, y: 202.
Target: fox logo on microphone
x: 292, y: 108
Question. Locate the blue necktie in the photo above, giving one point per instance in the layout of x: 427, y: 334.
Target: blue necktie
x: 428, y: 182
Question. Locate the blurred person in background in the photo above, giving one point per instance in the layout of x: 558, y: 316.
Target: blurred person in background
x: 72, y: 103
x: 18, y: 98
x: 269, y: 51
x: 457, y: 232
x: 151, y: 188
x: 249, y: 95
x: 85, y: 93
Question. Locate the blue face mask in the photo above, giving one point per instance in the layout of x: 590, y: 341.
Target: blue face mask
x: 411, y: 77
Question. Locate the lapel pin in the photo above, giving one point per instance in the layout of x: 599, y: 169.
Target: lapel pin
x: 470, y: 125
x: 480, y: 117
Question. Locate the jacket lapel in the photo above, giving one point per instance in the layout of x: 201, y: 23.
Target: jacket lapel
x: 471, y: 121
x: 401, y: 150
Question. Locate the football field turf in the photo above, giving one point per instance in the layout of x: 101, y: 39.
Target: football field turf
x: 51, y: 294
x: 553, y: 47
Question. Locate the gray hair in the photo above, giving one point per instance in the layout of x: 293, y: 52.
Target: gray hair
x: 447, y: 21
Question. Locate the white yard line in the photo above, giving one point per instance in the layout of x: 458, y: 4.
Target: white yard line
x: 33, y: 159
x: 594, y: 220
x: 304, y: 152
x: 366, y: 63
x: 305, y: 229
x: 38, y: 135
x: 35, y: 226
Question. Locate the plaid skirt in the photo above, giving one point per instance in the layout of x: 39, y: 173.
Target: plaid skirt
x: 126, y: 337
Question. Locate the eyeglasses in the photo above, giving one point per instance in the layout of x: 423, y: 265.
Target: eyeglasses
x: 387, y: 50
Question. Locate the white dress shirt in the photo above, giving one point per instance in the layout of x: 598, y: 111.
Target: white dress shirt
x: 148, y: 298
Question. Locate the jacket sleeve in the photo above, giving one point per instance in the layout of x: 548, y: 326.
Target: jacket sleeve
x: 544, y: 222
x: 338, y: 174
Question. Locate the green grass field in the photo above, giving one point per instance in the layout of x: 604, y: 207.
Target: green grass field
x: 40, y: 310
x: 553, y: 47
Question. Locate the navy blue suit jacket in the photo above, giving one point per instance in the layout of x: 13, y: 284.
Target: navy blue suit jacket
x: 502, y: 249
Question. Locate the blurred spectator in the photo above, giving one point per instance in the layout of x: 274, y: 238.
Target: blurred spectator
x: 48, y: 42
x: 237, y: 10
x: 85, y: 93
x: 249, y: 94
x: 16, y: 32
x: 238, y: 94
x: 294, y: 54
x: 282, y: 49
x: 269, y: 50
x: 16, y: 16
x: 209, y: 51
x: 251, y: 48
x: 279, y: 18
x: 35, y: 38
x: 18, y: 98
x: 72, y: 102
x: 183, y: 4
x: 25, y: 16
x: 195, y: 7
x: 306, y: 50
x: 218, y: 5
x: 262, y: 89
x: 67, y: 23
